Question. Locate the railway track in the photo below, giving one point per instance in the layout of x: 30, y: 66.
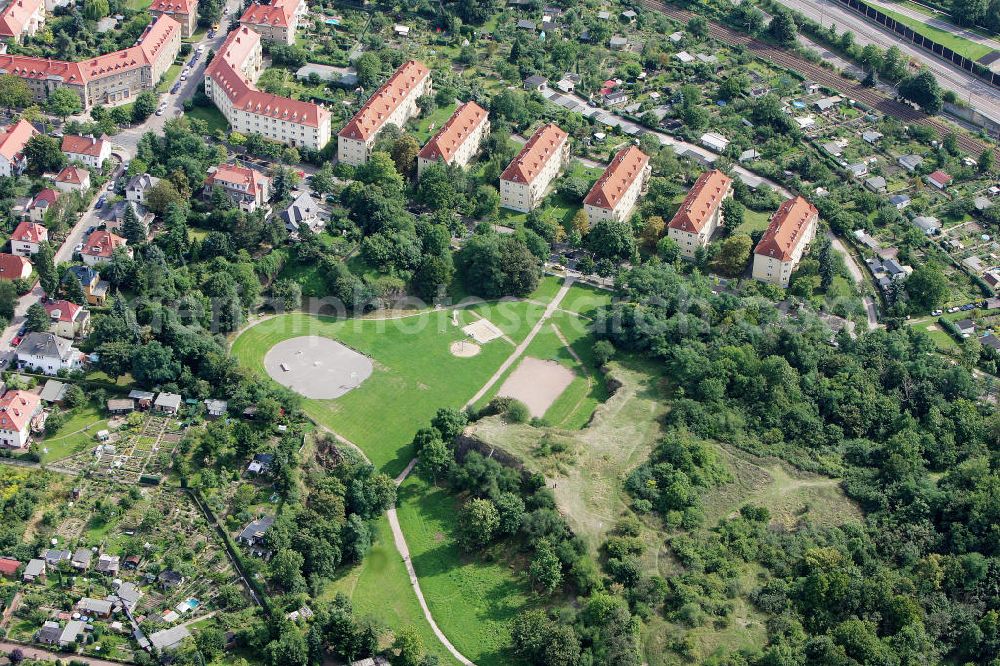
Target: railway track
x: 867, y: 96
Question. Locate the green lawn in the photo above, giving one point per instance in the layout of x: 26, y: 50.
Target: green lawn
x: 76, y: 434
x: 474, y: 599
x: 428, y: 126
x: 585, y: 300
x: 959, y: 45
x: 753, y: 221
x: 168, y: 79
x: 210, y: 115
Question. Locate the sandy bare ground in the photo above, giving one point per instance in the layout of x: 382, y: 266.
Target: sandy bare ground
x: 537, y: 384
x: 317, y: 367
x: 482, y: 331
x: 464, y: 349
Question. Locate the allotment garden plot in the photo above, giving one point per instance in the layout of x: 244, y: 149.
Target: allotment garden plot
x: 142, y: 448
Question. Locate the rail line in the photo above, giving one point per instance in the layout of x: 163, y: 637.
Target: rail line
x: 867, y: 96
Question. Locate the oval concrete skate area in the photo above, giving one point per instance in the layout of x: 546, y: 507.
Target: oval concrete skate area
x: 317, y: 367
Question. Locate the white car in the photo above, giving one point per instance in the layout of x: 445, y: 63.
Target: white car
x: 201, y: 47
x: 184, y: 77
x: 159, y: 112
x: 78, y: 248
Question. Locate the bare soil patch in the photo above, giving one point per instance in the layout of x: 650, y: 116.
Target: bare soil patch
x: 537, y: 384
x: 317, y: 367
x: 464, y: 349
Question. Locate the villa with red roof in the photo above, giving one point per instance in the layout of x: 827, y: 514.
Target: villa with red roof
x: 275, y: 21
x: 13, y: 267
x: 87, y: 150
x: 13, y: 139
x: 20, y: 18
x: 17, y: 408
x: 69, y: 320
x: 701, y: 212
x: 27, y: 237
x: 72, y: 179
x: 107, y: 79
x: 458, y: 139
x: 524, y: 182
x: 792, y: 229
x: 40, y: 204
x: 185, y: 12
x: 392, y: 104
x: 99, y: 247
x: 229, y: 83
x: 616, y: 193
x: 248, y: 188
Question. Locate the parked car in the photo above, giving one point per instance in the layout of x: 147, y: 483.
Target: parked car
x: 79, y: 248
x: 100, y: 202
x: 16, y: 341
x: 21, y: 331
x: 936, y: 313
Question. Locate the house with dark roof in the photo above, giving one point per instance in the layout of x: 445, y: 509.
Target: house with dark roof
x: 49, y: 633
x: 252, y: 536
x: 94, y: 288
x: 304, y: 211
x: 47, y: 353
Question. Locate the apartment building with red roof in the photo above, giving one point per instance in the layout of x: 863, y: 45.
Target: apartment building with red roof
x: 392, y: 104
x: 616, y: 192
x: 701, y: 212
x: 87, y: 150
x: 275, y: 21
x: 458, y: 139
x: 100, y: 245
x: 20, y: 18
x: 27, y: 237
x: 13, y: 267
x: 105, y: 79
x: 17, y: 408
x: 248, y: 188
x: 230, y: 83
x: 524, y: 182
x: 792, y: 228
x: 185, y: 12
x: 13, y: 139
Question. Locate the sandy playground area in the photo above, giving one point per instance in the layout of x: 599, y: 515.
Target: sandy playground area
x: 317, y: 367
x: 537, y: 384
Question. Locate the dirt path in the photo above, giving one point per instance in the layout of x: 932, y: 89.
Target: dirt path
x: 47, y: 655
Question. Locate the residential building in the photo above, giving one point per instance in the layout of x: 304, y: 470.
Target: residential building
x: 166, y: 640
x: 135, y: 191
x: 13, y: 267
x: 216, y: 408
x: 33, y: 570
x: 69, y: 320
x: 81, y: 559
x: 169, y: 579
x: 168, y: 403
x: 53, y: 391
x: 938, y: 179
x: 17, y: 408
x: 53, y: 556
x: 871, y: 136
x: 535, y: 83
x: 126, y: 596
x: 899, y: 201
x: 108, y: 564
x: 100, y: 246
x: 98, y: 607
x: 276, y: 21
x: 106, y: 79
x: 876, y: 184
x: 458, y: 139
x: 73, y: 179
x: 392, y: 104
x: 94, y: 288
x: 303, y: 212
x: 792, y: 229
x: 700, y: 213
x: 144, y: 399
x: 40, y: 204
x: 616, y: 193
x: 47, y: 353
x: 87, y: 150
x: 230, y: 80
x: 247, y: 188
x: 13, y: 139
x: 119, y: 406
x: 928, y: 224
x: 28, y: 237
x: 21, y: 18
x: 252, y: 536
x: 525, y: 180
x: 185, y: 12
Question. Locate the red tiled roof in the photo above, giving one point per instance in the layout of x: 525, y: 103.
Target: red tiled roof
x: 235, y: 175
x: 627, y: 165
x: 46, y: 197
x: 17, y: 408
x: 278, y: 13
x: 539, y: 149
x: 940, y: 177
x: 787, y: 229
x: 12, y: 266
x: 8, y: 566
x: 373, y: 115
x: 466, y: 119
x: 63, y: 310
x: 74, y: 175
x: 16, y: 15
x: 82, y: 145
x: 226, y: 70
x: 13, y: 138
x: 30, y: 232
x: 102, y: 244
x: 701, y: 202
x: 174, y: 6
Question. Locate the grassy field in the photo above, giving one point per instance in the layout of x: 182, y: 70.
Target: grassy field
x: 429, y: 125
x: 168, y: 79
x: 212, y: 116
x: 76, y: 434
x: 473, y: 599
x: 753, y: 221
x: 959, y: 45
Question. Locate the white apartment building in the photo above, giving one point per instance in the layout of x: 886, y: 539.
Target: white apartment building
x: 701, y: 212
x: 524, y: 182
x: 792, y: 229
x: 616, y: 193
x: 392, y: 104
x: 229, y: 83
x: 458, y: 140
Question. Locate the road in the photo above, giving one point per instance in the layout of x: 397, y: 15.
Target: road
x: 48, y: 655
x: 977, y: 93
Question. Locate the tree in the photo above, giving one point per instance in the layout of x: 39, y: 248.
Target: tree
x: 144, y: 106
x: 63, y: 102
x: 732, y: 214
x: 48, y: 277
x: 96, y: 9
x: 748, y: 17
x: 603, y: 351
x: 969, y: 12
x: 404, y: 154
x: 893, y: 65
x: 783, y: 28
x: 14, y: 92
x: 8, y: 299
x: 163, y: 195
x: 437, y: 187
x: 478, y: 523
x: 409, y: 647
x: 733, y: 254
x: 435, y: 459
x: 922, y: 89
x: 450, y: 422
x: 133, y: 229
x: 494, y: 265
x: 611, y: 239
x: 44, y: 153
x: 115, y: 358
x: 37, y: 319
x: 153, y: 364
x: 285, y: 571
x: 872, y: 57
x: 927, y: 287
x: 288, y: 294
x: 433, y: 275
x: 987, y: 161
x: 369, y: 69
x: 72, y: 289
x: 652, y: 231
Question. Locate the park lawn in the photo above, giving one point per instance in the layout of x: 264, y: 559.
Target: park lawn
x: 753, y: 221
x: 959, y: 45
x: 586, y: 300
x: 474, y: 599
x: 77, y: 433
x: 428, y: 126
x: 380, y: 588
x: 211, y: 116
x: 513, y: 317
x: 168, y: 79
